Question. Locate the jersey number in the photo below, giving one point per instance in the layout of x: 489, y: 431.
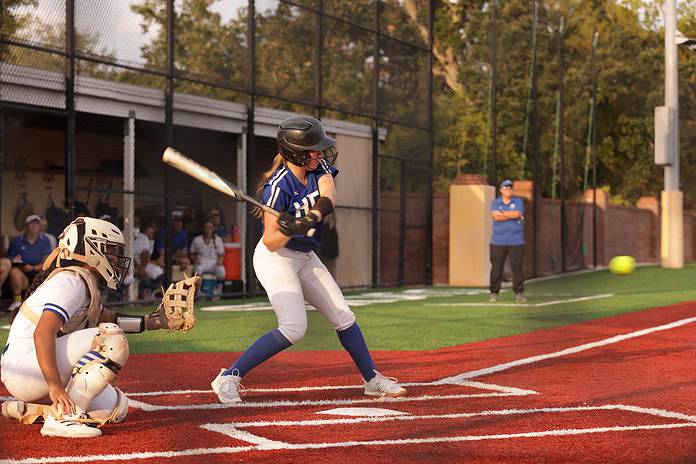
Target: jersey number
x: 307, y: 203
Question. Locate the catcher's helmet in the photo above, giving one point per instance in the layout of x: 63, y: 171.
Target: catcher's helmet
x: 299, y: 135
x: 97, y: 244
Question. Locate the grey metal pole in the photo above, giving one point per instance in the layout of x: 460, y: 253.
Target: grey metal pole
x: 129, y: 195
x: 494, y: 94
x: 672, y: 95
x: 672, y: 244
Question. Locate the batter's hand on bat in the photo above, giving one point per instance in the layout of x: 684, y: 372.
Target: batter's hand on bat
x: 291, y: 225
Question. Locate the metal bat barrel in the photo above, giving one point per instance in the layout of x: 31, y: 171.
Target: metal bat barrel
x: 210, y: 178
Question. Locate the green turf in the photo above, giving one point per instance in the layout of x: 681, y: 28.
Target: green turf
x: 420, y: 326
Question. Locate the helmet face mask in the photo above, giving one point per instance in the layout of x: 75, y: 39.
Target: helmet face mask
x: 97, y: 244
x: 300, y: 135
x: 115, y: 254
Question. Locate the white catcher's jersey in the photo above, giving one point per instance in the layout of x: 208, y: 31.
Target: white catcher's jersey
x: 64, y: 294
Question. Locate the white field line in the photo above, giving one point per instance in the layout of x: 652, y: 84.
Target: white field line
x: 567, y: 351
x: 276, y: 404
x: 361, y: 299
x: 5, y: 327
x: 231, y: 431
x: 463, y: 383
x: 346, y: 444
x: 531, y: 305
x: 498, y: 412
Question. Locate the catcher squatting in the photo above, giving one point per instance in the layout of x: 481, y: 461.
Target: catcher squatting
x: 65, y: 349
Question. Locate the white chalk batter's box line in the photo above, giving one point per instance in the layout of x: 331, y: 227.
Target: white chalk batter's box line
x: 259, y: 443
x: 492, y: 390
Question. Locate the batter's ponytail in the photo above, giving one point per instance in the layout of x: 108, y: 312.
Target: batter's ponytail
x: 277, y: 162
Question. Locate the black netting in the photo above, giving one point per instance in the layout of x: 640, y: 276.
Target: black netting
x: 212, y: 43
x: 403, y: 76
x: 286, y: 43
x: 33, y: 171
x: 124, y: 32
x: 348, y: 67
x: 404, y: 142
x: 389, y: 220
x: 361, y: 12
x: 389, y: 237
x: 99, y: 162
x: 40, y: 22
x: 308, y: 3
x: 301, y: 66
x: 416, y: 184
x: 195, y: 100
x: 31, y: 77
x: 406, y: 20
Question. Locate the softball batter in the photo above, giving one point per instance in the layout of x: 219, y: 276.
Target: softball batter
x: 300, y: 184
x: 64, y: 349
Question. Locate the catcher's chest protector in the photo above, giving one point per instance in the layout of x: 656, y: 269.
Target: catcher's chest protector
x: 88, y: 319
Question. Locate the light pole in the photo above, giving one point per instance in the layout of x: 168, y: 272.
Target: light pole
x: 667, y: 147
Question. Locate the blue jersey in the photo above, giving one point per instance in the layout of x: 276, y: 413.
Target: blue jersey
x: 509, y: 232
x: 283, y: 192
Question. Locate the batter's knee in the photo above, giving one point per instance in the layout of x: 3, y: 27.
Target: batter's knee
x: 294, y: 331
x: 345, y: 319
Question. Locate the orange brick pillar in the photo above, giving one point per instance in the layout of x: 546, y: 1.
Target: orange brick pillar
x: 470, y: 228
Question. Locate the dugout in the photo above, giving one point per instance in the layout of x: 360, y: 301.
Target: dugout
x: 119, y: 140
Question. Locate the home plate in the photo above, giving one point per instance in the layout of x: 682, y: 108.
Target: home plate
x: 362, y: 412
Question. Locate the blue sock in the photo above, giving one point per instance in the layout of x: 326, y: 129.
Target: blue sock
x: 266, y: 346
x: 353, y: 341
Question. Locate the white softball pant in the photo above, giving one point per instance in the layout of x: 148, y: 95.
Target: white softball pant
x: 22, y: 375
x: 290, y: 278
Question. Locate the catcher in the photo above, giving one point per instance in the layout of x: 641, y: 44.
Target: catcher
x: 65, y: 349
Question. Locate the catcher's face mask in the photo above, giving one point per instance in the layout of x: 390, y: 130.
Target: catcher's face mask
x: 120, y: 263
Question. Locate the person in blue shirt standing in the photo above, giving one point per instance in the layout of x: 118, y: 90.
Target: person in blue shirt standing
x: 300, y: 185
x: 508, y: 240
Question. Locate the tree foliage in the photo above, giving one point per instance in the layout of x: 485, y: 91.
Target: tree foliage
x: 630, y: 64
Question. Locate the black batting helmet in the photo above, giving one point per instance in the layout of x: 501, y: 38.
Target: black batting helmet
x: 299, y: 135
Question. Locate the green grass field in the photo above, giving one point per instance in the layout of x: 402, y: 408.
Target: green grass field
x: 423, y: 325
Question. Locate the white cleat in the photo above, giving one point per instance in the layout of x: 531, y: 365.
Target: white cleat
x: 380, y: 385
x: 228, y: 387
x: 69, y: 426
x: 14, y: 409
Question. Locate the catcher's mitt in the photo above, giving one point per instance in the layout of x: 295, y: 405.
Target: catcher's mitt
x: 177, y: 304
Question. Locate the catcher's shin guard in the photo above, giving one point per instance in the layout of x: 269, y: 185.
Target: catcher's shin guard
x: 101, y: 417
x: 98, y: 368
x: 25, y: 413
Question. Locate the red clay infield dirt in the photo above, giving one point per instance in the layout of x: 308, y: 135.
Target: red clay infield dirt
x: 620, y: 390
